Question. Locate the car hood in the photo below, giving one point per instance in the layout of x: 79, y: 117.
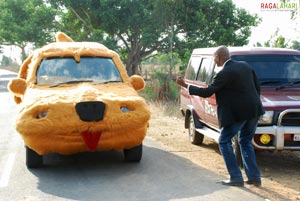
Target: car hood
x: 281, y: 99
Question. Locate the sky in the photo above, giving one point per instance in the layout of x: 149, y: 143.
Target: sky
x: 272, y: 20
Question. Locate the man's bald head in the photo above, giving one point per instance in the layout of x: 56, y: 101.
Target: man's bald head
x: 221, y: 55
x: 223, y: 52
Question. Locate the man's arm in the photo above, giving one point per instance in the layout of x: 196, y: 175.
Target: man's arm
x: 219, y: 81
x: 181, y: 82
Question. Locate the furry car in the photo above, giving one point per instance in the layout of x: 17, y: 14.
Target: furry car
x: 77, y: 97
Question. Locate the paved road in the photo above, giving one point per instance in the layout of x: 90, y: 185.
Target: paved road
x: 160, y: 176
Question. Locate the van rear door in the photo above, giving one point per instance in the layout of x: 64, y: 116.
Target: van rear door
x: 205, y: 75
x: 202, y: 106
x: 190, y: 76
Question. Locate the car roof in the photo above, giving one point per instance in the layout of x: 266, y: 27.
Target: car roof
x: 76, y: 45
x: 74, y: 48
x: 246, y: 50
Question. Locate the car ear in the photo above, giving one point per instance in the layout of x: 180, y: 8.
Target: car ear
x: 17, y: 86
x: 137, y: 82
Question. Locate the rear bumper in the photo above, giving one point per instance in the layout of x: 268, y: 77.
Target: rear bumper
x: 282, y: 137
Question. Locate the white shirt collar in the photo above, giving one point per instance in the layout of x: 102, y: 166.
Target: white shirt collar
x: 225, y: 62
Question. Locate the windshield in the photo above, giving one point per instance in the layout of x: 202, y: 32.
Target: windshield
x: 273, y: 70
x: 65, y: 69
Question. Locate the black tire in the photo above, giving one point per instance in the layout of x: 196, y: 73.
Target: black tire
x: 237, y: 151
x: 33, y: 159
x: 134, y: 154
x: 194, y: 136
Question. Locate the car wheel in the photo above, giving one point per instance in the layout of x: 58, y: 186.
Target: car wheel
x: 194, y: 136
x: 237, y: 150
x: 33, y: 159
x: 134, y: 154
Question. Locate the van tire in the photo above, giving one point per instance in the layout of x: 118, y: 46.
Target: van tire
x: 237, y: 151
x: 194, y: 136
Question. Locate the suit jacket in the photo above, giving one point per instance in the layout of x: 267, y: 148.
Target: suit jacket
x: 237, y: 93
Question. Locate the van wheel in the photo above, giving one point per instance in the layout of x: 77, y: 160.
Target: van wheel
x: 33, y: 159
x: 194, y: 136
x: 237, y: 151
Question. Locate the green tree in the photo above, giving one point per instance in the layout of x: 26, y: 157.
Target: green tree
x: 276, y: 40
x: 213, y: 23
x: 139, y: 28
x: 6, y: 61
x: 295, y: 45
x: 26, y: 21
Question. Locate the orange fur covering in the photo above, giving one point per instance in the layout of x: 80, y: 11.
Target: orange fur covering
x: 61, y: 129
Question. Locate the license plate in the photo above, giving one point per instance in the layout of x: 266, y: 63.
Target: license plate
x: 296, y: 137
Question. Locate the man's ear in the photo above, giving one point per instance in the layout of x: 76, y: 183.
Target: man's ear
x: 17, y: 86
x: 137, y: 82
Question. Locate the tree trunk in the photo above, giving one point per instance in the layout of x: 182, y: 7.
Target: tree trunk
x: 132, y: 63
x: 23, y: 53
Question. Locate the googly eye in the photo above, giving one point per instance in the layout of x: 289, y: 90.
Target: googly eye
x: 124, y: 109
x: 42, y: 115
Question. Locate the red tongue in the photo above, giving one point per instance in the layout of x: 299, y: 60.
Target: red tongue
x: 91, y: 139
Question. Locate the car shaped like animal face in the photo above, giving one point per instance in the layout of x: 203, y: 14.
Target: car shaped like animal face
x: 77, y: 97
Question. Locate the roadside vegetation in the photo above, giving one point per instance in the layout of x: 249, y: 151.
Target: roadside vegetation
x: 135, y: 29
x: 154, y: 38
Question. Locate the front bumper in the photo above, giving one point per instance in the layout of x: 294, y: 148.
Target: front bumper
x: 280, y: 135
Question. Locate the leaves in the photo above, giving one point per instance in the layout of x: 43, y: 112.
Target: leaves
x: 134, y: 28
x: 25, y: 21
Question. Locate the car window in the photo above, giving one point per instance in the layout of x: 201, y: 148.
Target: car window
x: 216, y: 70
x: 273, y: 69
x: 192, y: 68
x: 205, y: 70
x: 64, y: 69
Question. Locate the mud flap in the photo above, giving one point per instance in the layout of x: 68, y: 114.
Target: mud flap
x: 197, y: 123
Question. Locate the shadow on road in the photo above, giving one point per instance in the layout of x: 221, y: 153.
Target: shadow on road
x: 104, y: 176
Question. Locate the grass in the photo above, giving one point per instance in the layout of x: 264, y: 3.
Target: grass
x: 169, y: 108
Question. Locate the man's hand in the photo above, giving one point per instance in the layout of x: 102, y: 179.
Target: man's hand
x: 181, y: 82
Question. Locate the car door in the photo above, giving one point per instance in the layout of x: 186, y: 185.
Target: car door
x: 200, y: 104
x: 210, y: 102
x: 190, y: 76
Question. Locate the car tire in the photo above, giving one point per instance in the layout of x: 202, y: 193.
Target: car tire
x: 237, y: 151
x: 194, y: 136
x: 134, y: 154
x: 33, y: 159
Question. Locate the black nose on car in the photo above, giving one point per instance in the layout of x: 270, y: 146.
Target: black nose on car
x: 90, y: 110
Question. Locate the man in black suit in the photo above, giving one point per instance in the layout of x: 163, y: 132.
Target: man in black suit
x: 239, y: 107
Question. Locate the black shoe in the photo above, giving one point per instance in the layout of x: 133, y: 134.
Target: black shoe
x: 255, y: 182
x: 232, y: 183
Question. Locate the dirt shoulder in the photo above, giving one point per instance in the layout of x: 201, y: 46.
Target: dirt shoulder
x: 280, y: 171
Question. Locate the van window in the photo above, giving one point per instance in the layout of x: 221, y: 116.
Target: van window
x: 273, y: 70
x: 205, y: 70
x: 192, y: 68
x: 216, y: 71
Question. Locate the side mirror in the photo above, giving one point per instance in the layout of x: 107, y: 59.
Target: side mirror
x: 17, y: 86
x: 137, y: 82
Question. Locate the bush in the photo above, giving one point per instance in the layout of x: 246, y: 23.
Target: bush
x: 161, y: 88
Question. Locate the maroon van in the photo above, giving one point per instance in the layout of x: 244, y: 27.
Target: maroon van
x: 278, y: 71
